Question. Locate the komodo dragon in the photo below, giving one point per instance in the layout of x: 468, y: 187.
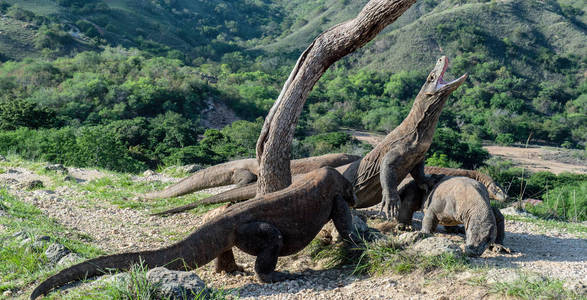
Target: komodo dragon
x: 401, y: 152
x: 275, y: 224
x: 495, y: 191
x: 242, y: 172
x: 249, y: 191
x: 377, y: 175
x: 462, y: 200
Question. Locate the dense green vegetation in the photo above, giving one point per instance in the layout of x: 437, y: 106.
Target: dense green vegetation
x: 563, y: 196
x: 139, y: 105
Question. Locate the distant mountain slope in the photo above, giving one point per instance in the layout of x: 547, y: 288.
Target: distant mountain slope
x: 198, y: 28
x: 203, y: 29
x: 519, y: 32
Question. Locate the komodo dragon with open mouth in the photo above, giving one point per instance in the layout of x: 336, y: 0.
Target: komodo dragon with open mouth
x: 377, y: 175
x: 275, y: 224
x: 242, y: 172
x: 249, y: 191
x: 402, y: 151
x: 453, y: 201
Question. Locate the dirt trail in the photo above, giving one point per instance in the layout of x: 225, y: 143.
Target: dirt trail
x: 537, y: 158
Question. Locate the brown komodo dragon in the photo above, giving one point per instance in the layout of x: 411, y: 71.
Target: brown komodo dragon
x: 402, y: 151
x: 249, y: 191
x: 276, y: 224
x: 462, y: 200
x: 495, y: 191
x: 376, y: 176
x: 242, y: 172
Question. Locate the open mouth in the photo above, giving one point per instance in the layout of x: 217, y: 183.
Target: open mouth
x: 440, y: 83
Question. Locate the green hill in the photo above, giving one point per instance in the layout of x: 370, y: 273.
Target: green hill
x: 144, y: 72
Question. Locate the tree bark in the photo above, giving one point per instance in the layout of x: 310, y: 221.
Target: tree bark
x: 274, y: 143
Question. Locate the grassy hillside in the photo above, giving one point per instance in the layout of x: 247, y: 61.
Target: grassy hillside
x: 157, y: 65
x: 193, y: 29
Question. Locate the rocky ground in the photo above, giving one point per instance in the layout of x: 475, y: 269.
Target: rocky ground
x: 545, y: 251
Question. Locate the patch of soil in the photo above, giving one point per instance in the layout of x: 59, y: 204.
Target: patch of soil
x: 537, y: 158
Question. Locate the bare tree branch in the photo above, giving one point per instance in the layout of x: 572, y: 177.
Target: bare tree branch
x: 274, y: 143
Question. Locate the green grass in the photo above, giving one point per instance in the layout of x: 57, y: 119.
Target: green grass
x: 567, y: 202
x: 132, y: 285
x: 381, y: 258
x: 546, y: 225
x: 21, y: 265
x: 121, y: 190
x: 384, y: 257
x: 531, y: 287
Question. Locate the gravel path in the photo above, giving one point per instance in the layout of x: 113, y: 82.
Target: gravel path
x: 552, y: 253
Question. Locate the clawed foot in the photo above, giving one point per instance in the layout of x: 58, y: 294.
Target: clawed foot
x: 389, y: 206
x: 497, y: 248
x: 276, y: 277
x: 231, y: 268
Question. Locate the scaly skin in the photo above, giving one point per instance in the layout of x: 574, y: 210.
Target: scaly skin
x: 402, y: 151
x: 461, y: 200
x: 249, y: 191
x: 495, y: 191
x: 275, y: 224
x: 242, y: 172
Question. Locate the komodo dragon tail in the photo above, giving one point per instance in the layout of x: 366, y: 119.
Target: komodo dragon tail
x: 199, y: 248
x: 235, y: 195
x: 495, y: 191
x: 218, y: 175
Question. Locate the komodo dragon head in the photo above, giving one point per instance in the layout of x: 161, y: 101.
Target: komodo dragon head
x: 495, y: 192
x: 430, y: 101
x: 435, y: 85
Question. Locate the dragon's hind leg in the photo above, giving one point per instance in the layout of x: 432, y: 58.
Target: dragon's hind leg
x: 265, y: 241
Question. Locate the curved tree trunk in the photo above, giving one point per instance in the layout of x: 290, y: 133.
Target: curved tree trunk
x: 274, y: 143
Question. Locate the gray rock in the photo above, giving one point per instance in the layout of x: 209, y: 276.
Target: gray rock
x: 176, y: 284
x: 3, y: 158
x: 20, y: 235
x: 501, y: 276
x: 44, y: 238
x: 33, y: 184
x: 192, y: 168
x: 434, y: 246
x: 411, y: 237
x: 577, y: 287
x: 8, y: 181
x: 69, y: 259
x: 512, y: 211
x: 149, y: 173
x: 13, y: 171
x: 39, y: 243
x: 71, y: 178
x: 59, y: 168
x: 55, y: 252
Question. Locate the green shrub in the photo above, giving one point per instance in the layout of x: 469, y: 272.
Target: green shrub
x: 565, y: 202
x: 22, y: 113
x: 505, y: 139
x: 449, y: 142
x: 441, y: 160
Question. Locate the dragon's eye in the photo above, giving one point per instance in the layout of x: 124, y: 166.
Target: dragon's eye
x: 431, y: 77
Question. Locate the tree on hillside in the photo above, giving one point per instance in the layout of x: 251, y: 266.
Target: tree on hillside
x: 274, y: 144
